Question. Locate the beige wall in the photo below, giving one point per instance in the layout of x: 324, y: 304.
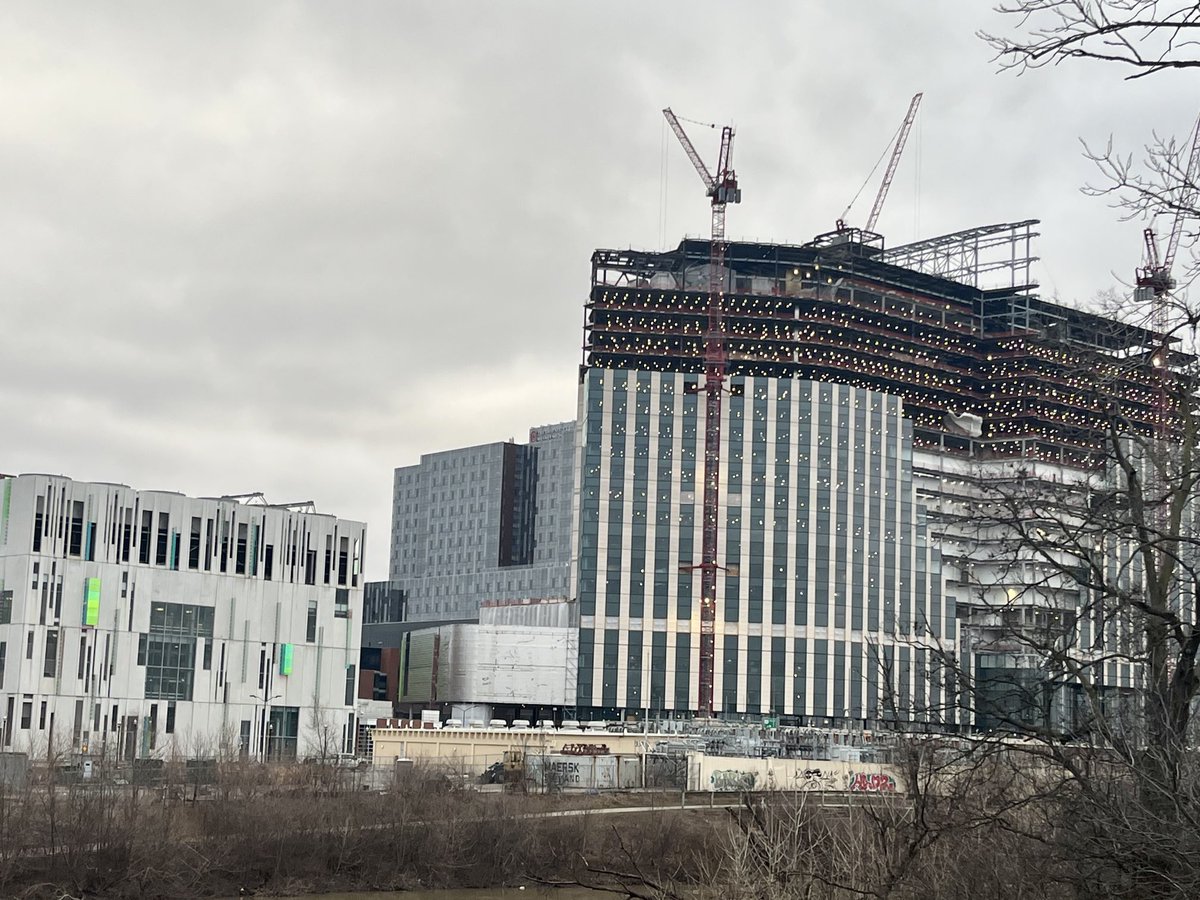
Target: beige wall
x: 470, y: 751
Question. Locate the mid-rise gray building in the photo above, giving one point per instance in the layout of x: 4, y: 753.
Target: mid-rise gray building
x: 483, y: 523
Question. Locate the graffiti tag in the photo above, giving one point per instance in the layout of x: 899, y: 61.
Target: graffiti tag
x: 873, y: 782
x: 585, y: 749
x: 813, y: 780
x: 732, y: 780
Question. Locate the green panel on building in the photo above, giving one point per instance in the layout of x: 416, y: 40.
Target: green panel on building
x: 91, y: 602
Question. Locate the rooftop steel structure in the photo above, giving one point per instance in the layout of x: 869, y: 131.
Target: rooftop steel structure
x: 914, y: 321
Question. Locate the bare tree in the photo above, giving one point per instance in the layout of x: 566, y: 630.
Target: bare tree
x: 1141, y: 36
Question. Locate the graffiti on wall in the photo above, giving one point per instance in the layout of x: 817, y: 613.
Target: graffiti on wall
x: 871, y: 782
x: 813, y: 780
x: 732, y: 780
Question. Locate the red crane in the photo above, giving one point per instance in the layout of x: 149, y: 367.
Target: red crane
x: 721, y: 188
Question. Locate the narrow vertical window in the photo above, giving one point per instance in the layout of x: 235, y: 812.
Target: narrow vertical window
x: 343, y: 560
x: 126, y: 533
x: 50, y: 663
x: 39, y: 524
x: 75, y: 530
x: 160, y: 544
x: 144, y: 534
x: 239, y: 564
x: 194, y: 544
x: 311, y: 632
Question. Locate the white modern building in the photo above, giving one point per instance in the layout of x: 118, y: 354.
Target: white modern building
x: 139, y: 624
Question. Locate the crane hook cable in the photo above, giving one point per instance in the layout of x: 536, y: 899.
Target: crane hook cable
x: 871, y: 174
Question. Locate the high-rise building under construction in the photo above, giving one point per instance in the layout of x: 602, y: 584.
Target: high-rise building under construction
x: 868, y: 389
x: 863, y: 383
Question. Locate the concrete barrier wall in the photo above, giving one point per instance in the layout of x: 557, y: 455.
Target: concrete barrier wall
x: 478, y: 748
x: 471, y: 751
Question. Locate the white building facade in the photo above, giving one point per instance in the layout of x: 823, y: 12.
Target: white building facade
x: 138, y: 624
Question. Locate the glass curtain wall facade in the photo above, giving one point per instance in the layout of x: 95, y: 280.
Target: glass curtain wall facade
x: 829, y: 608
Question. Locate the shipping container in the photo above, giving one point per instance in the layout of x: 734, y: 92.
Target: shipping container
x: 562, y: 771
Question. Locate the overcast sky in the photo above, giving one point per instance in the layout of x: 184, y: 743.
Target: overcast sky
x: 286, y: 247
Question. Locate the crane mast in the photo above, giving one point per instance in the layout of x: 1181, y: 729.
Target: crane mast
x: 890, y: 172
x: 721, y: 188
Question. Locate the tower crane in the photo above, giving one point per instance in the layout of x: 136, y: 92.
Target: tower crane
x: 1154, y: 283
x: 721, y: 188
x: 890, y: 172
x: 1154, y: 279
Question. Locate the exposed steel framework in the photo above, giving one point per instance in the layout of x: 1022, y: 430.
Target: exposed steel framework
x: 721, y: 187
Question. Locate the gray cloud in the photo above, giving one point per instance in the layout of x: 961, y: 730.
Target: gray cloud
x: 288, y: 246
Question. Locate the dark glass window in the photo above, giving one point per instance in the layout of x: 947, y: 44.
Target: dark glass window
x: 50, y: 663
x: 144, y: 537
x: 194, y: 544
x: 311, y: 631
x: 126, y: 533
x: 239, y: 563
x: 75, y: 532
x: 160, y: 548
x: 39, y: 524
